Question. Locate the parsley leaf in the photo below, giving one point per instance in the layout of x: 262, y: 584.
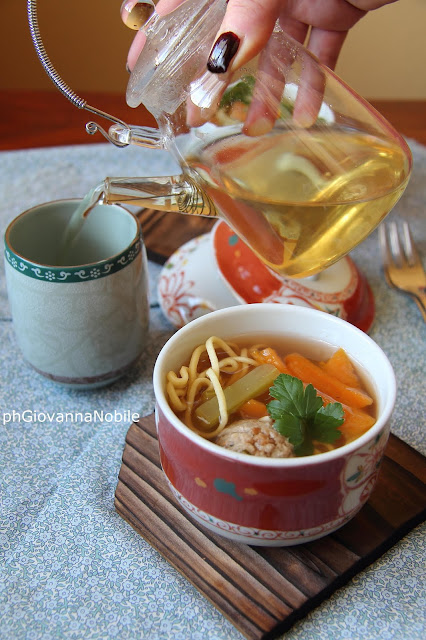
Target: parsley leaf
x: 241, y: 91
x: 300, y: 416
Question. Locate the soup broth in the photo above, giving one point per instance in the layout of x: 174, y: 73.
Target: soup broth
x: 225, y: 390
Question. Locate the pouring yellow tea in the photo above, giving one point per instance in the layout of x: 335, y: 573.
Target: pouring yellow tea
x: 301, y: 167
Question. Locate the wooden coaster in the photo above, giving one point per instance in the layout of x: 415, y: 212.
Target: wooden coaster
x: 263, y: 591
x: 164, y: 232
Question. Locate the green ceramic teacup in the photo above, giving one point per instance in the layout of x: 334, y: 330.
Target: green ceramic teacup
x: 83, y: 323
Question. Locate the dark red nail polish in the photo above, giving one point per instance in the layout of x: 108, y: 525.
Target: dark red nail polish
x: 224, y: 49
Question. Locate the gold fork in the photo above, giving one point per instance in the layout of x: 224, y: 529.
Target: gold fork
x: 401, y: 262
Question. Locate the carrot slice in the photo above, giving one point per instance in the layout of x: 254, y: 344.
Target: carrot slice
x: 342, y: 368
x: 309, y: 372
x: 269, y: 356
x: 356, y: 423
x: 253, y: 409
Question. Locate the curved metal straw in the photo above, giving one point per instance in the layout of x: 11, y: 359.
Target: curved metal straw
x: 91, y: 127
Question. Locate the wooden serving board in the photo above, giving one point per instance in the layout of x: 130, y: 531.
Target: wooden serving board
x: 264, y: 590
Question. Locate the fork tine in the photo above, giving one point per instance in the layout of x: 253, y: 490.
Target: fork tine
x: 395, y: 245
x: 402, y: 266
x: 384, y: 245
x: 411, y: 253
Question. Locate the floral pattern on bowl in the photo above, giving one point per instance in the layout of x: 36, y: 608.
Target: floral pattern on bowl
x: 190, y: 285
x: 219, y: 270
x: 255, y: 535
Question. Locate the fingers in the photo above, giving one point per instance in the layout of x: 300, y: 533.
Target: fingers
x: 135, y: 49
x: 251, y: 23
x: 326, y: 45
x: 310, y: 93
x: 204, y: 99
x: 264, y: 108
x: 293, y: 27
x: 275, y: 67
x: 165, y: 6
x: 369, y: 5
x: 134, y: 14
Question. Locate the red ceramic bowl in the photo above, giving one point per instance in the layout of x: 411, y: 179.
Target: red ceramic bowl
x: 264, y: 501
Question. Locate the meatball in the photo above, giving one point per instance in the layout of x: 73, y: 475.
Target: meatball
x: 257, y: 437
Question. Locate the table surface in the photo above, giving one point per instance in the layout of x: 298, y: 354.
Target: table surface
x: 46, y: 118
x: 70, y: 567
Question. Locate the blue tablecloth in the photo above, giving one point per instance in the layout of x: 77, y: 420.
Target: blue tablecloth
x: 70, y: 567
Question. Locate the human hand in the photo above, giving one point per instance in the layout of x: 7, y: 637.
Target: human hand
x: 246, y: 30
x: 248, y: 24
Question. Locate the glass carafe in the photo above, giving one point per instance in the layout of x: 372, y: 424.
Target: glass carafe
x: 300, y: 166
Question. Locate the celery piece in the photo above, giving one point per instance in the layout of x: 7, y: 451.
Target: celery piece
x: 249, y: 386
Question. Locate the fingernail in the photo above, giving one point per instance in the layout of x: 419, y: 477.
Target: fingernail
x: 224, y: 49
x: 128, y: 68
x: 135, y: 13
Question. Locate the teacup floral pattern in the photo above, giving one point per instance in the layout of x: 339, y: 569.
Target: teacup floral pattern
x: 74, y: 274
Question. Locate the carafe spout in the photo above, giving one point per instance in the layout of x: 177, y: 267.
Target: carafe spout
x: 173, y: 193
x: 122, y: 136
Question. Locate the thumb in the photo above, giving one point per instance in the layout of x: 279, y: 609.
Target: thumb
x: 247, y: 26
